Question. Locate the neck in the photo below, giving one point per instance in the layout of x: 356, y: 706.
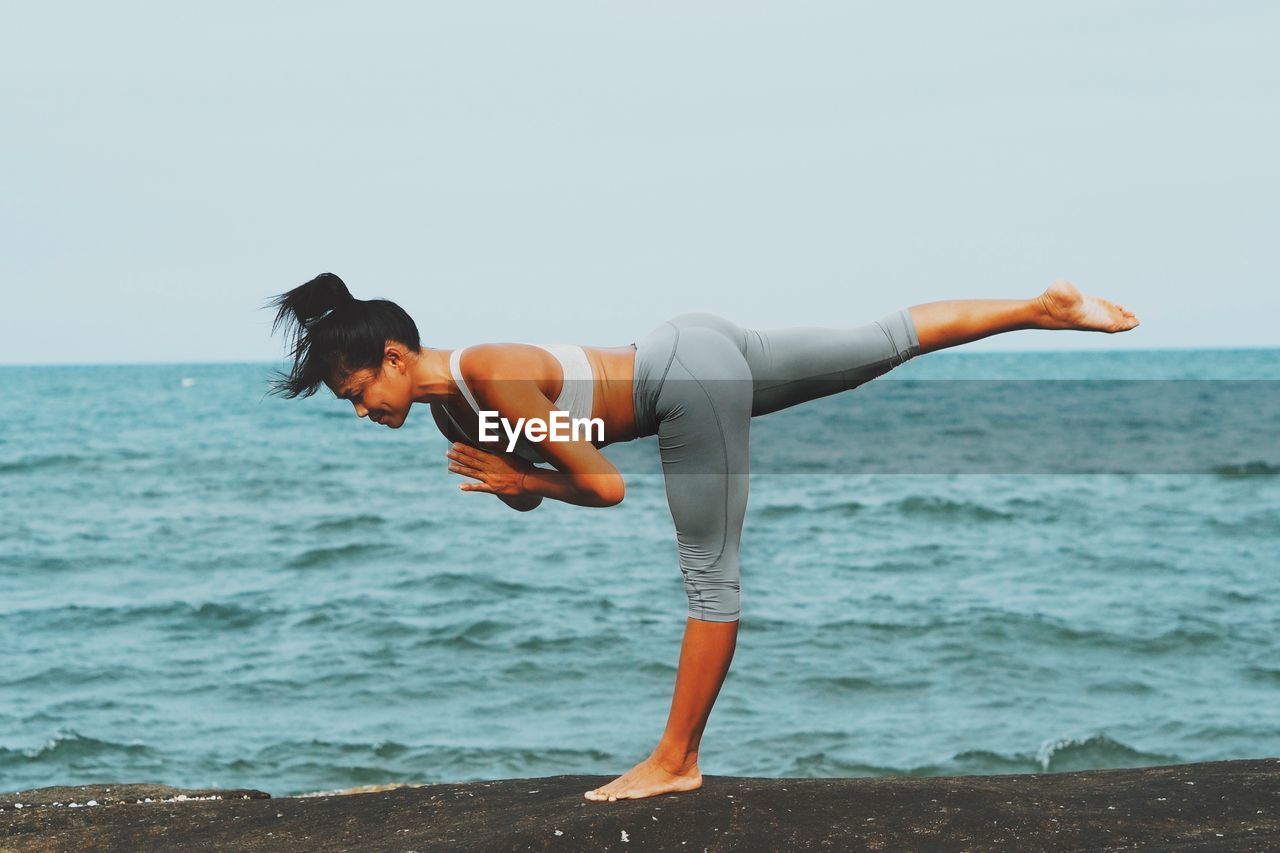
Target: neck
x: 432, y: 381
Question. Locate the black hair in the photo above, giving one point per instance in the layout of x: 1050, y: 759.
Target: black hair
x: 334, y: 334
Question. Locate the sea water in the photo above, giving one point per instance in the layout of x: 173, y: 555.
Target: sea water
x: 204, y: 586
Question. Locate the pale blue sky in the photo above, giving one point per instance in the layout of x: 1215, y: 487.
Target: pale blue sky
x: 581, y: 171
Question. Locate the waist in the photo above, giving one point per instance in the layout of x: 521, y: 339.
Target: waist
x: 654, y: 353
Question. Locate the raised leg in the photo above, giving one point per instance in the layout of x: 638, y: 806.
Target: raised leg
x: 793, y: 365
x: 947, y: 324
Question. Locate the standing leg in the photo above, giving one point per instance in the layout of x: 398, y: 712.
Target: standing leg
x: 703, y: 438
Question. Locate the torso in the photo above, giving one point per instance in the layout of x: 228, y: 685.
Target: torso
x: 612, y: 371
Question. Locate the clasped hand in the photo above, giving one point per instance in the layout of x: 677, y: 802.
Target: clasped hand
x: 498, y: 474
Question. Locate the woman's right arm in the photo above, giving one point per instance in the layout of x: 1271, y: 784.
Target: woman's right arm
x: 524, y: 503
x: 452, y: 433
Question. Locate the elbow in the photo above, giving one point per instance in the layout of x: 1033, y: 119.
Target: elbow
x: 611, y: 493
x: 524, y: 503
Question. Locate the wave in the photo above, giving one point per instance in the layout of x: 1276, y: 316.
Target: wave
x: 478, y: 634
x: 861, y: 628
x: 1263, y: 674
x: 968, y: 632
x: 69, y: 746
x: 982, y: 761
x: 1121, y: 686
x: 897, y: 567
x: 217, y: 615
x: 95, y: 672
x: 376, y: 749
x: 1264, y: 525
x: 791, y: 510
x: 1256, y: 468
x: 315, y: 558
x: 570, y: 642
x: 448, y: 582
x: 1023, y: 628
x: 530, y: 669
x: 863, y: 684
x: 41, y: 463
x: 1094, y: 752
x: 55, y: 564
x: 347, y: 523
x: 1237, y: 596
x: 780, y: 510
x: 820, y: 765
x: 935, y: 507
x: 389, y: 762
x: 209, y: 614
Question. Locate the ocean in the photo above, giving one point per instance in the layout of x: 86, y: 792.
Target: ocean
x: 201, y: 585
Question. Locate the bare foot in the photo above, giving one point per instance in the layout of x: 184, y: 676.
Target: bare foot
x: 1068, y: 308
x: 648, y: 779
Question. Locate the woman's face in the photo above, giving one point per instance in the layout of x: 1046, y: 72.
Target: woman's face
x: 383, y: 396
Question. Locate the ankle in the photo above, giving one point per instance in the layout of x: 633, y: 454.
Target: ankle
x: 1040, y: 314
x: 675, y: 761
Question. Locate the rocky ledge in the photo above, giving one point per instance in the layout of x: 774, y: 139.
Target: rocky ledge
x: 1215, y: 806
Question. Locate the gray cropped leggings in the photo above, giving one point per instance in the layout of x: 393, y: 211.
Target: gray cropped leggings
x: 699, y: 380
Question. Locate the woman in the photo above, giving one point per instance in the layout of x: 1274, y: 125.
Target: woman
x: 696, y: 382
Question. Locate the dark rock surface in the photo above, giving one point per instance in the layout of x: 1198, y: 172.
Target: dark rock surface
x: 1216, y: 806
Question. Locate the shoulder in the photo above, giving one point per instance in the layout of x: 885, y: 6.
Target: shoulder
x: 502, y: 361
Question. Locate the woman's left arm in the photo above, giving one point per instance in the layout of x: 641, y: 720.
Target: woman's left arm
x: 583, y: 475
x: 519, y: 484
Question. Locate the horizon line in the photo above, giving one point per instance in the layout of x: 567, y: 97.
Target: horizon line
x: 984, y: 352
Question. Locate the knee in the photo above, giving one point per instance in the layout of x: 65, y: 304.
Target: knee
x: 714, y: 592
x: 900, y: 329
x: 724, y: 605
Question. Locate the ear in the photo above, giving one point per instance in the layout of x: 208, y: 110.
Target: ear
x: 395, y: 356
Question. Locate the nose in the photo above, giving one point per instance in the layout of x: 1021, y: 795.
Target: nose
x: 361, y: 411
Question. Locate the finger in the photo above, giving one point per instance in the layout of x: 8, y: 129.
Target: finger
x: 476, y: 487
x: 466, y: 451
x: 466, y: 470
x: 468, y: 465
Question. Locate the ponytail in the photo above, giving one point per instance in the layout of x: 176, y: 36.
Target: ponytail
x: 332, y: 334
x: 309, y: 302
